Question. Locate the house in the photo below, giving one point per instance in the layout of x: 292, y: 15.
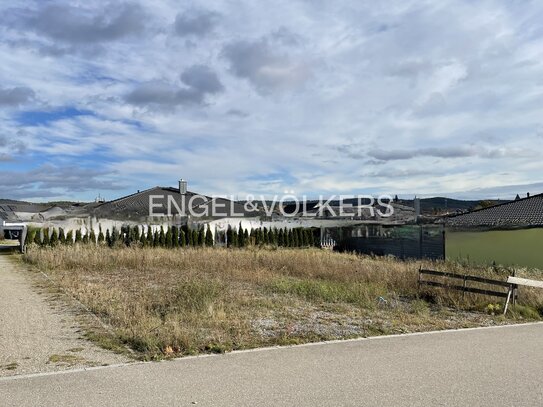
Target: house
x: 510, y: 234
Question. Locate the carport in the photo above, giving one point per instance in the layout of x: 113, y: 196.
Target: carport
x: 15, y: 231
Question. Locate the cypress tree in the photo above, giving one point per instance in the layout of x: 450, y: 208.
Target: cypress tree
x: 182, y: 239
x: 53, y: 240
x: 290, y: 238
x: 241, y: 240
x: 162, y: 237
x: 70, y: 237
x: 85, y: 238
x: 143, y: 238
x: 296, y: 237
x: 280, y: 238
x: 201, y: 237
x: 168, y: 242
x: 92, y: 236
x: 229, y: 236
x: 175, y: 236
x: 188, y: 237
x: 101, y: 238
x: 45, y: 241
x: 245, y: 237
x: 114, y: 237
x: 156, y: 238
x: 78, y: 236
x: 37, y: 237
x: 61, y: 236
x: 209, y: 237
x: 234, y: 238
x: 309, y: 232
x: 135, y: 233
x: 149, y: 236
x: 194, y: 234
x: 275, y: 236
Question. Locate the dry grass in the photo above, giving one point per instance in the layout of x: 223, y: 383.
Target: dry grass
x: 170, y: 302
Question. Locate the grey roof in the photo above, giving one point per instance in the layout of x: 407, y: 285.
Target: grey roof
x: 137, y: 206
x: 526, y: 212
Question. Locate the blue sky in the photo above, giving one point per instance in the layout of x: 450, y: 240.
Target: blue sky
x: 316, y: 97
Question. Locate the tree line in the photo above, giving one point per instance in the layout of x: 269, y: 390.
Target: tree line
x: 174, y: 236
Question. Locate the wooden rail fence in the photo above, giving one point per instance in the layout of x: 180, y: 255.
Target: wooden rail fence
x: 451, y: 280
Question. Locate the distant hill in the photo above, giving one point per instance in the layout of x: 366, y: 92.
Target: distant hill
x: 441, y: 205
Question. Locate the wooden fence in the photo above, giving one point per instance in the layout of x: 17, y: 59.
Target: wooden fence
x: 450, y: 282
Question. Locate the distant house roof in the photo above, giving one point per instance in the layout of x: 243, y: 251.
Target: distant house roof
x: 525, y: 212
x: 137, y: 206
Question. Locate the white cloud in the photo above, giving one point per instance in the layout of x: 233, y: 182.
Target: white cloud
x: 409, y: 96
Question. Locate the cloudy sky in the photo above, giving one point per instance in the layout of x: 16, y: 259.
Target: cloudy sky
x: 311, y: 96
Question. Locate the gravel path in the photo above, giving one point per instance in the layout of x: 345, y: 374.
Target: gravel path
x: 38, y: 334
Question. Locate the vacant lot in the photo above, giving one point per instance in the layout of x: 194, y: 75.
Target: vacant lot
x: 164, y: 302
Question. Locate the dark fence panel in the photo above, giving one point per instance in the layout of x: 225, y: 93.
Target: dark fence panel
x: 418, y: 242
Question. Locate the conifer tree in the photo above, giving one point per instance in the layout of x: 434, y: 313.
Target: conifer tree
x: 201, y: 237
x: 188, y: 237
x: 143, y: 238
x: 85, y: 238
x: 45, y: 241
x: 37, y: 237
x: 150, y: 236
x: 229, y: 236
x: 265, y: 236
x: 161, y: 237
x: 70, y: 237
x: 209, y: 237
x: 194, y: 237
x: 241, y: 240
x: 175, y: 236
x: 275, y: 237
x: 78, y: 236
x: 135, y: 233
x: 168, y: 238
x: 61, y: 236
x: 101, y: 237
x: 234, y: 238
x: 245, y: 237
x: 182, y: 238
x: 156, y: 238
x: 92, y: 236
x: 290, y: 238
x: 280, y: 238
x: 53, y: 240
x: 114, y: 237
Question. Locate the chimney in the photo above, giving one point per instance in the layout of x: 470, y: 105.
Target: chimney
x: 416, y: 204
x: 528, y: 195
x: 182, y: 186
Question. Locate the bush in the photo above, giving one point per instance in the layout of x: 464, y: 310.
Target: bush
x: 209, y: 237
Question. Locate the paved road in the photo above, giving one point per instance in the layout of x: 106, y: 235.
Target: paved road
x: 483, y: 367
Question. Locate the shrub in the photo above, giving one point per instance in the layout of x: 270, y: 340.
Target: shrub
x: 70, y: 237
x: 209, y: 237
x: 101, y: 238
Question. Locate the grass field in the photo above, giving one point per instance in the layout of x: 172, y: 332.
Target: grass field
x: 164, y: 303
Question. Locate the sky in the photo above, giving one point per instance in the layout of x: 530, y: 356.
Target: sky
x: 311, y: 97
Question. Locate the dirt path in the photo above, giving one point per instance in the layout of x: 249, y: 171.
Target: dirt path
x: 37, y: 334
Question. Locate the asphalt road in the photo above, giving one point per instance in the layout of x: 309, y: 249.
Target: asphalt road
x: 481, y: 367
